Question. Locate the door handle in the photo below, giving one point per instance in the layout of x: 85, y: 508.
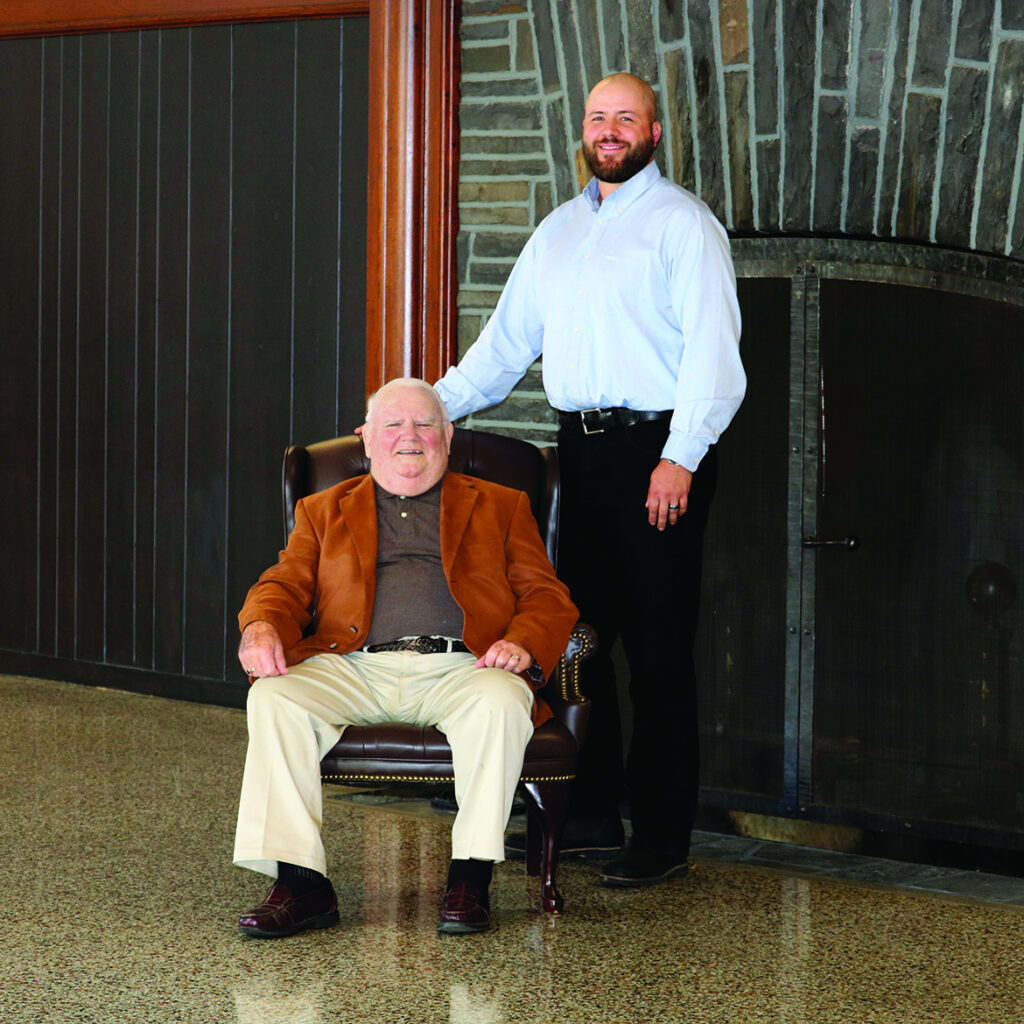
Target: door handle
x: 850, y: 543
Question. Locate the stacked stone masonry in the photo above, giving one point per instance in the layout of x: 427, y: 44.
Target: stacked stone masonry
x: 872, y: 119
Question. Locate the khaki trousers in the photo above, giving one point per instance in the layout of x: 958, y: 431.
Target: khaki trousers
x: 296, y: 718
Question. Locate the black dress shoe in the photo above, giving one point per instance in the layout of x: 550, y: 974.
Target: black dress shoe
x: 640, y: 865
x: 282, y: 914
x: 465, y: 909
x: 581, y: 837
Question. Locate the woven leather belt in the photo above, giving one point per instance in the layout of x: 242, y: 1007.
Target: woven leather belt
x: 595, y: 421
x: 421, y: 645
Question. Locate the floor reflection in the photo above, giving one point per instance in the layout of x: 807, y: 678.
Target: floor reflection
x: 263, y: 1002
x: 795, y: 944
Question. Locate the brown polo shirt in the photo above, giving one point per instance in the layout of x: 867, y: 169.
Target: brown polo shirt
x: 412, y: 595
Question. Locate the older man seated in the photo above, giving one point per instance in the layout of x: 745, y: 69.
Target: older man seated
x: 414, y: 595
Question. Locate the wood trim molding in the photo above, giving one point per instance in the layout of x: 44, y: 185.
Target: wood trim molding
x: 45, y: 18
x: 413, y: 213
x: 413, y: 162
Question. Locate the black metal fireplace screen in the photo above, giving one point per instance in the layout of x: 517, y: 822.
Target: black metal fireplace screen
x: 860, y: 652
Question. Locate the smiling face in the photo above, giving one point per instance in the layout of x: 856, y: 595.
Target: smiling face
x: 619, y: 130
x: 407, y: 437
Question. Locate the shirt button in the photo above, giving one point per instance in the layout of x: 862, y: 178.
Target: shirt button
x: 335, y: 644
x: 352, y: 629
x: 405, y: 515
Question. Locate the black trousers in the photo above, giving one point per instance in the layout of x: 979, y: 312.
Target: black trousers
x: 630, y: 580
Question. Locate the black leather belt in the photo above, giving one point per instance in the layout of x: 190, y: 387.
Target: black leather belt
x: 421, y: 645
x: 594, y: 421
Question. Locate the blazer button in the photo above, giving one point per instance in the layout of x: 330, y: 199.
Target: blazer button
x: 333, y: 646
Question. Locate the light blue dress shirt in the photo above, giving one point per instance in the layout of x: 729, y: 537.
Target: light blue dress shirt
x: 632, y: 302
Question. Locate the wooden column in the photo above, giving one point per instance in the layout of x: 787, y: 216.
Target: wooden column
x: 412, y: 202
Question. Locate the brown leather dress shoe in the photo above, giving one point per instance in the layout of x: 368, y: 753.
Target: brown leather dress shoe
x: 282, y: 914
x: 464, y: 910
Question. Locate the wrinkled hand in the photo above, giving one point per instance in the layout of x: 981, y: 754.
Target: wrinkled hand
x: 670, y: 485
x: 507, y: 655
x: 261, y: 652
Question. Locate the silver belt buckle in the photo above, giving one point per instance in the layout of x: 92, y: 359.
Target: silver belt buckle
x: 583, y: 420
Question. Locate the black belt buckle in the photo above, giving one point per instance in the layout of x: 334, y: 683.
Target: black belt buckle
x: 583, y: 420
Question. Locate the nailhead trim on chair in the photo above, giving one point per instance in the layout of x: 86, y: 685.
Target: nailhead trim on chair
x: 570, y: 680
x: 354, y: 777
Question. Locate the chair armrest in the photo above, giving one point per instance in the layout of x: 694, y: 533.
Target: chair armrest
x: 566, y: 677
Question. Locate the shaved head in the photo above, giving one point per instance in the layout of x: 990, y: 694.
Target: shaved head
x: 625, y: 78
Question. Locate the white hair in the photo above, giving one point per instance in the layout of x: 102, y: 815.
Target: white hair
x: 408, y: 382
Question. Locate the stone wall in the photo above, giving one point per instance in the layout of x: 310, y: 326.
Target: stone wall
x: 874, y: 119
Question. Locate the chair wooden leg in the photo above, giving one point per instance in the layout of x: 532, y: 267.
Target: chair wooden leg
x: 547, y: 805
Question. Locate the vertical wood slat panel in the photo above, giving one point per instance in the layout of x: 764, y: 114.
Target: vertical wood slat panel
x: 315, y: 202
x: 352, y: 225
x: 21, y: 83
x: 205, y: 600
x: 171, y: 338
x: 182, y: 277
x: 45, y: 342
x: 64, y: 267
x: 123, y: 226
x: 91, y: 351
x: 146, y: 340
x: 261, y: 308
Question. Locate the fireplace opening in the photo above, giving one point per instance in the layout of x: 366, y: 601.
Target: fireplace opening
x: 862, y: 635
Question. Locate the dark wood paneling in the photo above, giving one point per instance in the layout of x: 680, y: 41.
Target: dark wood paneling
x: 123, y: 195
x: 206, y: 602
x: 49, y: 352
x: 43, y: 17
x: 261, y: 269
x: 413, y: 160
x: 62, y: 261
x: 353, y: 224
x: 147, y: 240
x: 171, y: 347
x: 91, y: 354
x: 178, y: 228
x: 21, y: 76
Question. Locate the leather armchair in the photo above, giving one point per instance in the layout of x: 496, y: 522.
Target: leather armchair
x: 402, y: 753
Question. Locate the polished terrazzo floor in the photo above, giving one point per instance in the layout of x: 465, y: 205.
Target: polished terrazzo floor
x: 116, y: 821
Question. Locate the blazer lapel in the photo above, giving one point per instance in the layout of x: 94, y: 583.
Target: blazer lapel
x: 358, y: 508
x: 458, y: 496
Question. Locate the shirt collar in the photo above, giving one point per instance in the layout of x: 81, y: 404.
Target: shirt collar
x: 430, y: 497
x: 625, y: 194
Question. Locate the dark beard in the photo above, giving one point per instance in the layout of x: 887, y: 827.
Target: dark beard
x: 636, y: 158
